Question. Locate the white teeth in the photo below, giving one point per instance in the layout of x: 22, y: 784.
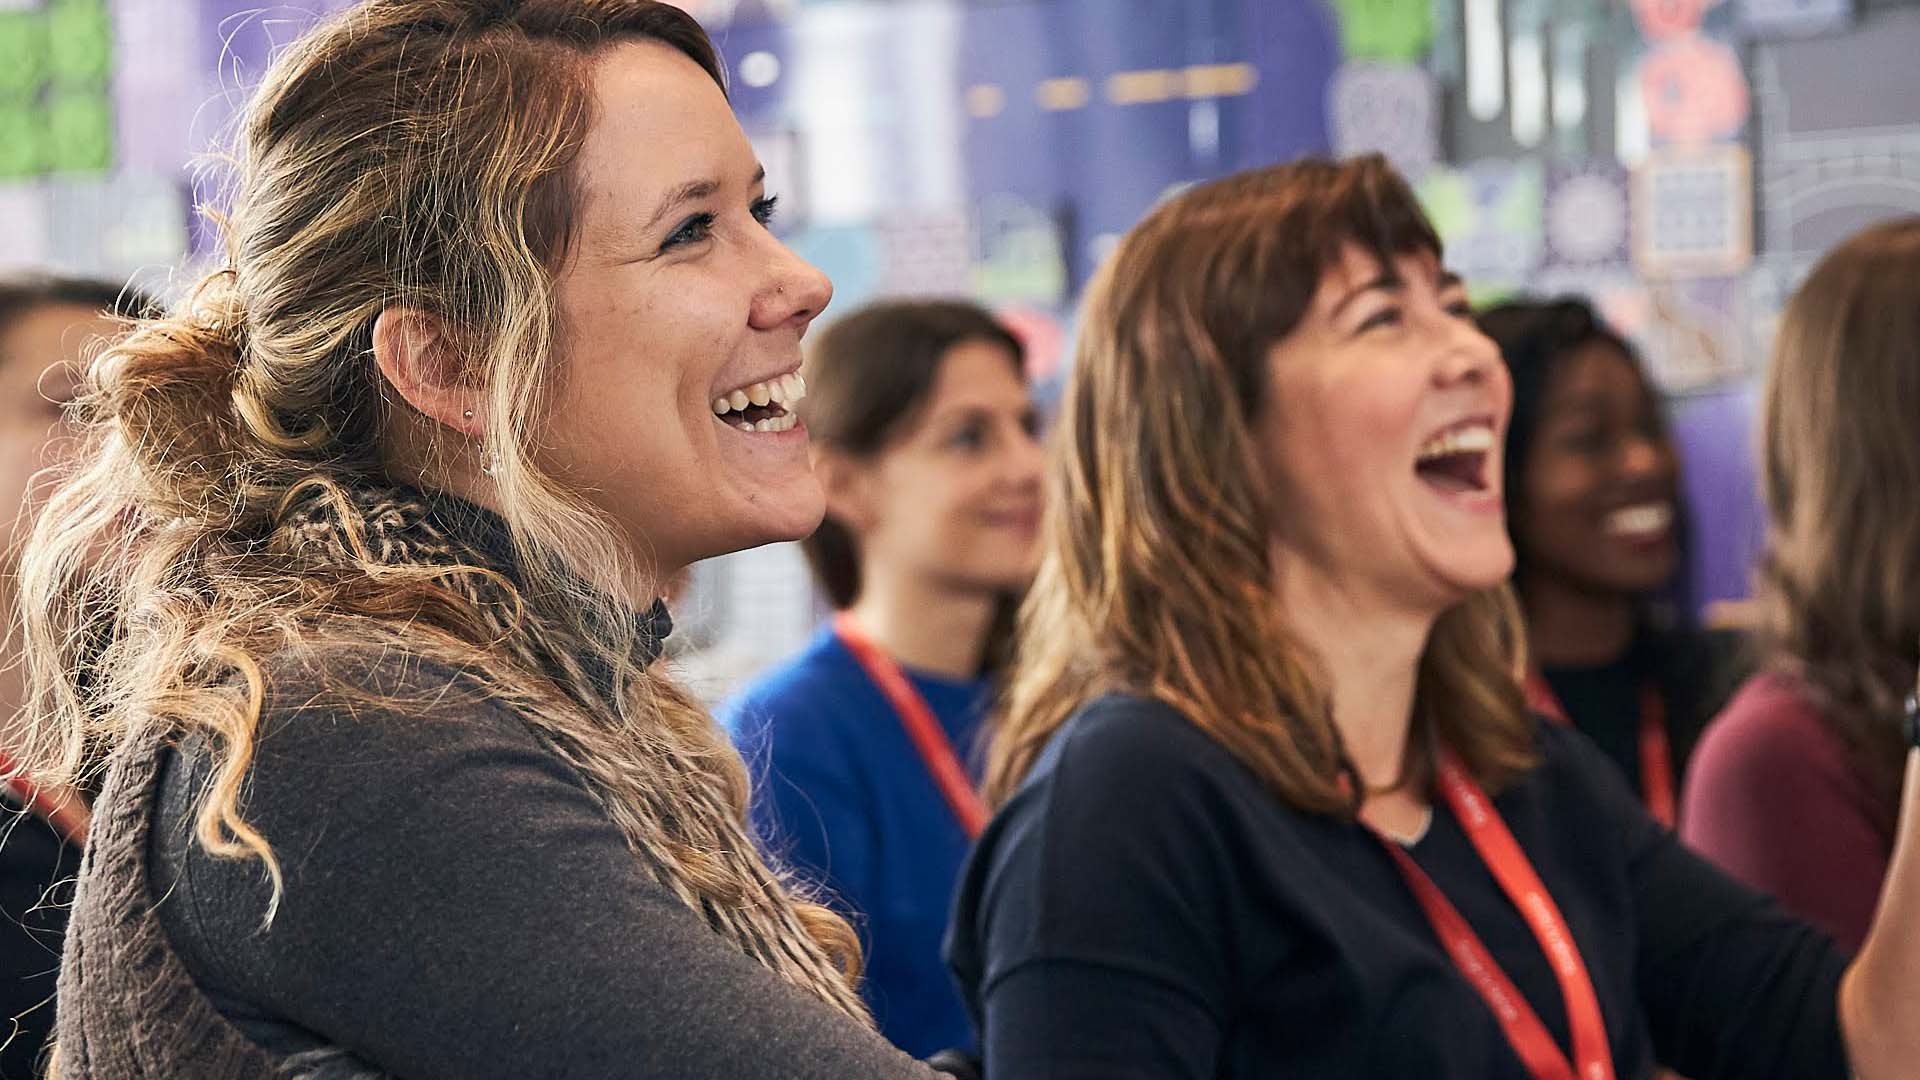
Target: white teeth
x: 1476, y: 438
x: 785, y: 390
x: 1646, y: 520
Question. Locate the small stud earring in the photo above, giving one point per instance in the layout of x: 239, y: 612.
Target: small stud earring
x: 468, y: 415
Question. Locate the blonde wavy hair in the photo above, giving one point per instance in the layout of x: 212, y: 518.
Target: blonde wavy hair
x: 412, y: 153
x: 1156, y: 575
x: 1839, y: 585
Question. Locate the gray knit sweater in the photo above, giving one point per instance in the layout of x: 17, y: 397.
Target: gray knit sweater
x: 456, y: 905
x: 457, y: 901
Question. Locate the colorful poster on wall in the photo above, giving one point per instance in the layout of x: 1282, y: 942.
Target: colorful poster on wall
x: 1489, y: 215
x: 1785, y: 17
x: 1694, y: 91
x: 1586, y: 216
x: 1017, y: 256
x: 1042, y: 337
x: 1693, y: 212
x: 1664, y: 20
x: 925, y: 253
x: 55, y: 115
x: 1385, y: 29
x: 1389, y: 108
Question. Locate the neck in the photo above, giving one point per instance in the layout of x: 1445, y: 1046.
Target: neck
x: 1572, y: 627
x: 925, y: 625
x: 1369, y: 651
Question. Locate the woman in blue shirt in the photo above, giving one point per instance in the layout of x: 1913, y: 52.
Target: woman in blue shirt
x: 924, y: 442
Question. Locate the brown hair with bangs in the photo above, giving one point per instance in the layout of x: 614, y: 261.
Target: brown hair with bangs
x: 1156, y: 575
x: 1839, y: 586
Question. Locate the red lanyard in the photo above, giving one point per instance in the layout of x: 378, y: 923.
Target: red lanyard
x: 936, y: 750
x: 1496, y: 845
x: 1656, y: 754
x: 70, y: 822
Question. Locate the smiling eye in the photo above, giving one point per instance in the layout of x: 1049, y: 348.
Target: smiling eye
x: 1386, y: 316
x: 691, y: 231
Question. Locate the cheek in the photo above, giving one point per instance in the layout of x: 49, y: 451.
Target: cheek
x: 1557, y: 485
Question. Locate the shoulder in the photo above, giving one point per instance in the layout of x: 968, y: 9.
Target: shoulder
x: 371, y: 703
x: 1138, y: 773
x: 1566, y: 754
x: 350, y: 732
x: 813, y: 689
x: 1120, y: 739
x: 1774, y: 726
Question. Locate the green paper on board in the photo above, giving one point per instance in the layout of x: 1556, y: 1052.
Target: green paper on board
x: 80, y: 36
x: 1385, y: 29
x: 21, y: 136
x: 80, y: 133
x: 23, y: 51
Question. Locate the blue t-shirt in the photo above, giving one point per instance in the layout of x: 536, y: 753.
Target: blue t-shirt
x: 844, y: 798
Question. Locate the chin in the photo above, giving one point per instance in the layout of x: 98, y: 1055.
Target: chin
x: 791, y: 523
x: 1485, y: 570
x: 761, y: 523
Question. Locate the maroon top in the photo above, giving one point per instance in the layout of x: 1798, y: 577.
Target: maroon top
x: 1773, y: 796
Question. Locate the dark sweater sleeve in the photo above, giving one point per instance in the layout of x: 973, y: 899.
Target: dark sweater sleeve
x: 1733, y: 987
x: 457, y: 905
x: 1104, y: 908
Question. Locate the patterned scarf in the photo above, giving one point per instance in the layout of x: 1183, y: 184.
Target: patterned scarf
x: 664, y: 792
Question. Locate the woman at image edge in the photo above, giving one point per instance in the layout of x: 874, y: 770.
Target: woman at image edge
x: 380, y: 513
x: 1267, y: 685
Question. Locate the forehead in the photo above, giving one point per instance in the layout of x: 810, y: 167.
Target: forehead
x: 1356, y: 265
x: 977, y: 372
x: 659, y: 121
x: 1596, y: 372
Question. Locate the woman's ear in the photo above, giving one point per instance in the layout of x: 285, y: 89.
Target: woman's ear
x: 420, y: 358
x: 848, y: 485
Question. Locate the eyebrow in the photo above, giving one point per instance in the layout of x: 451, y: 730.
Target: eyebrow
x: 693, y: 191
x: 1385, y: 282
x: 1389, y: 281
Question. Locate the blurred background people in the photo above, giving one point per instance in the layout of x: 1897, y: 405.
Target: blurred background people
x: 1594, y: 509
x: 1796, y: 785
x: 915, y: 153
x: 49, y: 328
x: 925, y: 444
x: 1270, y: 799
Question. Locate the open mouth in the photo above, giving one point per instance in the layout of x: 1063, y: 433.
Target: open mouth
x: 1455, y: 460
x: 763, y: 406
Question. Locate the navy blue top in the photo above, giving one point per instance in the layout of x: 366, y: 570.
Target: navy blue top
x: 845, y: 799
x: 1145, y: 907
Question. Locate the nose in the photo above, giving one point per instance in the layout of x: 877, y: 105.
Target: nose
x: 1468, y: 356
x: 1025, y: 459
x: 1646, y: 455
x: 793, y: 293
